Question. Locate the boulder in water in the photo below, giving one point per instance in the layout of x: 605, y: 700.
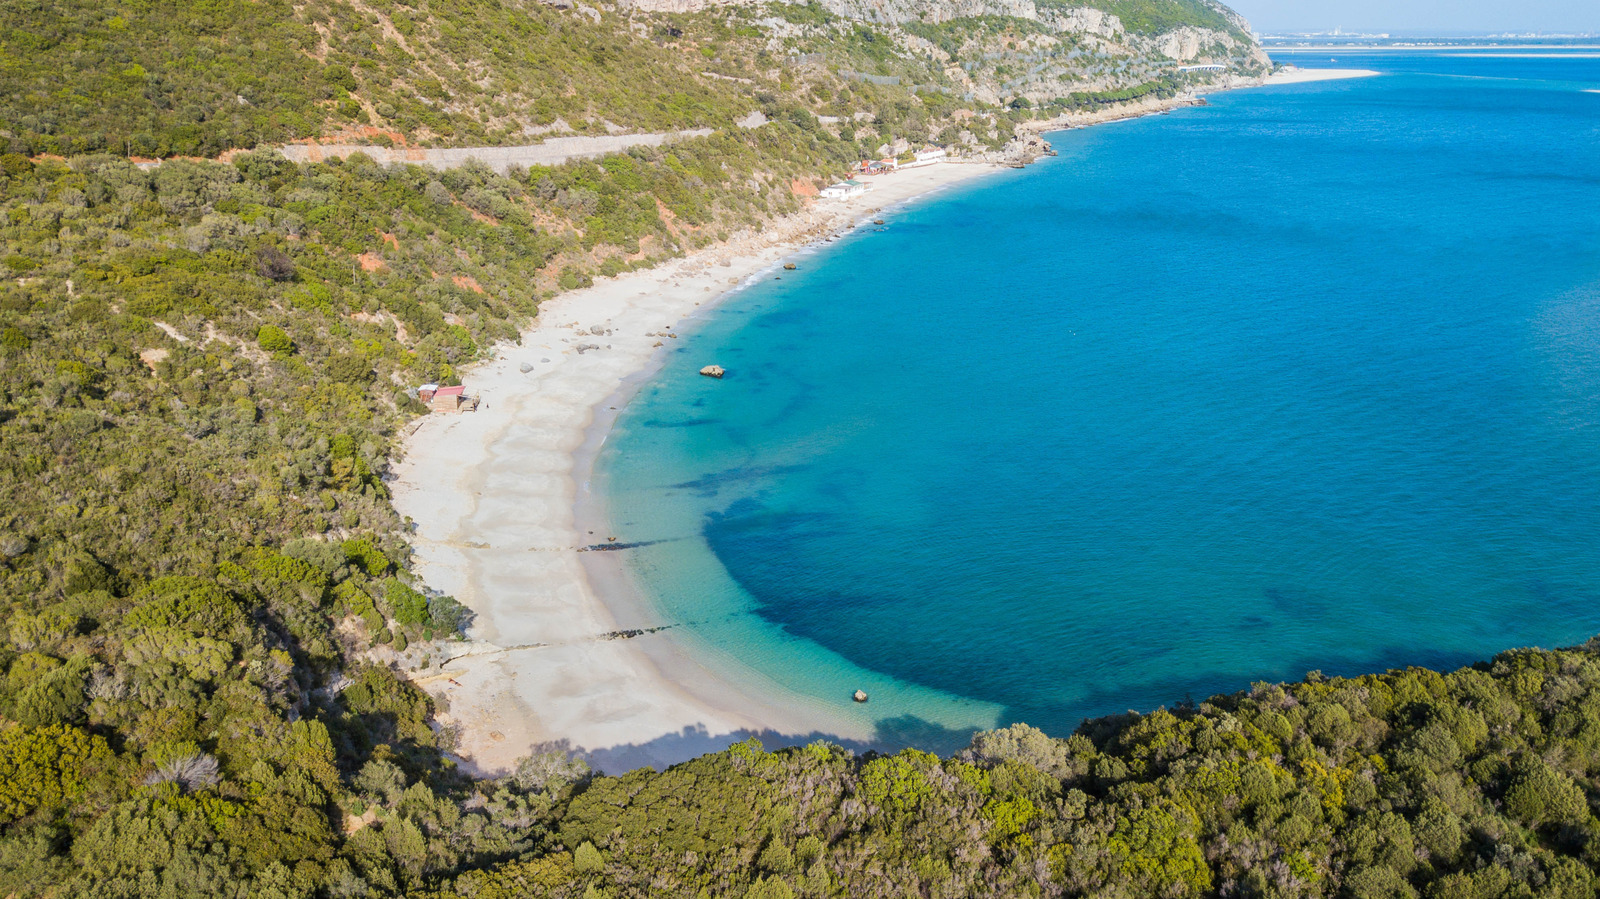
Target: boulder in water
x: 860, y: 696
x: 713, y: 371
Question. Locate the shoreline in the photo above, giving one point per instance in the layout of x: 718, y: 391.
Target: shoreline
x: 1296, y: 75
x: 544, y: 664
x: 564, y: 651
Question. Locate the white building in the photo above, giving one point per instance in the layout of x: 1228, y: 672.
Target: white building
x: 926, y: 156
x: 845, y: 189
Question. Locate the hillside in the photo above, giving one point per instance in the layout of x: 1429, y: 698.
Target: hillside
x: 162, y: 78
x: 208, y: 615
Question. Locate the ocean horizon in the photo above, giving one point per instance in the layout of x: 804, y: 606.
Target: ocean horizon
x: 1305, y: 379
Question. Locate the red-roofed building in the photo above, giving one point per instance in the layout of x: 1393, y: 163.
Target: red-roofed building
x: 448, y: 399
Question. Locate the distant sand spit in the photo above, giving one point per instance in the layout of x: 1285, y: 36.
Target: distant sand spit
x: 1303, y: 76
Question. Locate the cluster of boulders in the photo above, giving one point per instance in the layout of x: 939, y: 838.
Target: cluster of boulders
x: 1026, y: 147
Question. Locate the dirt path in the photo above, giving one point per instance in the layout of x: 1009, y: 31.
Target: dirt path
x: 554, y: 151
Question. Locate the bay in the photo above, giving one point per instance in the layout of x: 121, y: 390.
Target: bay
x: 1305, y: 379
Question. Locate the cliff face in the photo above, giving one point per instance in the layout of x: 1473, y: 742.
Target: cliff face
x: 1189, y: 44
x: 1101, y: 52
x: 1184, y: 41
x: 899, y: 12
x: 1087, y: 21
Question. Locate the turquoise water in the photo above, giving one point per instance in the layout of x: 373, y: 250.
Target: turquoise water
x: 1306, y: 379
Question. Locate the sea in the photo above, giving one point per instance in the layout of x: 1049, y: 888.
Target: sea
x: 1306, y: 379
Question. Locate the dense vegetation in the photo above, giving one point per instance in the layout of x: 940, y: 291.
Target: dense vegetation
x: 171, y: 77
x: 1476, y: 783
x: 205, y: 599
x: 160, y: 78
x: 188, y: 310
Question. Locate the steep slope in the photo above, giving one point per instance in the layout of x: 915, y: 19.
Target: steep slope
x: 162, y: 77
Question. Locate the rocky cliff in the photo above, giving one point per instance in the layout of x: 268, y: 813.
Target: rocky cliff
x: 1184, y: 42
x: 999, y: 51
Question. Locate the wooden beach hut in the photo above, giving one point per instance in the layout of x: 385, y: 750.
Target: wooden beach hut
x: 450, y: 399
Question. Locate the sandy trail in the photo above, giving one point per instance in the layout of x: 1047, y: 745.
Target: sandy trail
x: 553, y: 151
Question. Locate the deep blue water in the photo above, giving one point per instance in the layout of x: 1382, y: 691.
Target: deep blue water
x: 1305, y: 379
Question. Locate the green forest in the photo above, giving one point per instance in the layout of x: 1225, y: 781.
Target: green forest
x: 209, y: 618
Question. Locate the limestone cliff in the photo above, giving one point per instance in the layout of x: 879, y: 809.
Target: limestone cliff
x: 1049, y: 50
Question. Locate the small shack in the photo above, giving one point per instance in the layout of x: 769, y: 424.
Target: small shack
x: 447, y: 399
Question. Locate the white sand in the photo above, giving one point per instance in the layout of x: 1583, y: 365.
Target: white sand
x: 492, y: 494
x: 1292, y: 75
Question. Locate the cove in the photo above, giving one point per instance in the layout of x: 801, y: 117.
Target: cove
x: 1305, y: 379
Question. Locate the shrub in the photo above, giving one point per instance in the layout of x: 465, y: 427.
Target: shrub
x: 273, y: 339
x: 350, y: 368
x: 274, y: 264
x: 407, y: 605
x: 369, y: 558
x: 46, y: 767
x: 586, y: 859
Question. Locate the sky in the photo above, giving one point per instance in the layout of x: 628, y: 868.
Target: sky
x: 1421, y: 16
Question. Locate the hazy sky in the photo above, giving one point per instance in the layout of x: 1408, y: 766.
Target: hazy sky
x: 1412, y: 16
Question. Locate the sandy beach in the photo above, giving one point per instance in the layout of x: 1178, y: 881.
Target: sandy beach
x: 493, y: 495
x: 1293, y: 75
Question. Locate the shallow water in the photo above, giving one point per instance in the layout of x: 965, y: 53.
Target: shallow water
x: 1306, y: 379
